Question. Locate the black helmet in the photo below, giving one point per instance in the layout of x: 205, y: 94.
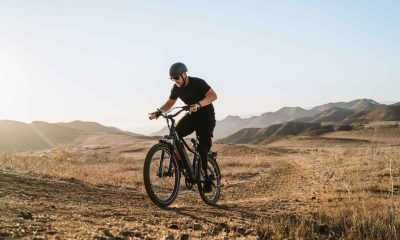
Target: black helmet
x: 177, y: 69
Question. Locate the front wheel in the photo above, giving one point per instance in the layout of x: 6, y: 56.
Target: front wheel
x: 161, y: 175
x: 214, y: 176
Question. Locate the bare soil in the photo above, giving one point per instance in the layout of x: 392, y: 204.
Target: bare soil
x: 291, y: 183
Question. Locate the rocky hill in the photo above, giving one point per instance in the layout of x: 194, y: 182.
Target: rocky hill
x: 256, y: 135
x: 396, y: 104
x: 328, y: 120
x: 374, y: 113
x: 21, y: 136
x: 91, y: 127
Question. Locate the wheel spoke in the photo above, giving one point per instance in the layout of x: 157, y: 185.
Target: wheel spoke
x: 162, y: 178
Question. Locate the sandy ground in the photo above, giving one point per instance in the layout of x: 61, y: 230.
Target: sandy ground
x: 290, y: 178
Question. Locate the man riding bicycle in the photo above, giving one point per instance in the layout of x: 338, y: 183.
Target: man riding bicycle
x: 196, y: 93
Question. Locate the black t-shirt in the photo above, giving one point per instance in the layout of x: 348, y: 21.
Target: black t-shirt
x: 194, y: 92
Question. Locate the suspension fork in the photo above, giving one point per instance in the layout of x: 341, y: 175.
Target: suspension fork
x: 170, y: 164
x: 160, y: 172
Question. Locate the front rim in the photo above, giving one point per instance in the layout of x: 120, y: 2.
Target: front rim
x: 161, y: 176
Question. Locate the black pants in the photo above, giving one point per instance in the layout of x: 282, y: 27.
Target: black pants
x: 204, y: 127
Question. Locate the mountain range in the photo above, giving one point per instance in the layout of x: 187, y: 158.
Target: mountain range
x: 286, y: 121
x: 327, y: 120
x: 337, y: 111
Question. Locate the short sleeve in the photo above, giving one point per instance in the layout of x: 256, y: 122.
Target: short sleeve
x: 203, y: 87
x: 174, y: 94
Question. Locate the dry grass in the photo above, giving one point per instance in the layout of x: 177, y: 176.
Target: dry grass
x: 90, y: 167
x: 359, y: 197
x: 344, y: 191
x: 370, y: 222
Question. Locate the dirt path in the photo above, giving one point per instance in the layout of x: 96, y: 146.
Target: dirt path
x: 37, y: 207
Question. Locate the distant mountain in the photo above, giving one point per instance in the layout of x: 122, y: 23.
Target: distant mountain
x: 382, y: 113
x: 19, y: 136
x: 91, y: 127
x: 54, y: 133
x: 330, y: 119
x: 224, y: 127
x: 282, y: 115
x: 355, y: 104
x: 40, y: 135
x: 375, y: 113
x: 332, y: 115
x: 255, y: 135
x: 338, y: 110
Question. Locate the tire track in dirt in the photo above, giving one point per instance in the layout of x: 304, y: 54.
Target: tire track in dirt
x: 71, y: 208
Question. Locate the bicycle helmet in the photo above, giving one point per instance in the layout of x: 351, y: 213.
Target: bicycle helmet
x: 177, y: 69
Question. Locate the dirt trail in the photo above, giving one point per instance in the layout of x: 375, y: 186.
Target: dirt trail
x: 35, y: 206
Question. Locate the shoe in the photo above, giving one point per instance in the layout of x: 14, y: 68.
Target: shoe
x: 207, y: 188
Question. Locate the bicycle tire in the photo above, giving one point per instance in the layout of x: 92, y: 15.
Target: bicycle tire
x: 214, y: 170
x: 147, y: 176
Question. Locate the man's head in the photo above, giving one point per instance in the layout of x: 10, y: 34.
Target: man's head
x: 177, y: 73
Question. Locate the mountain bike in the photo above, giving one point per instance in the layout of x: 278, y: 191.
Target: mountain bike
x: 167, y: 161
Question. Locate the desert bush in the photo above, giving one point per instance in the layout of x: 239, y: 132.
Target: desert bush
x: 61, y: 155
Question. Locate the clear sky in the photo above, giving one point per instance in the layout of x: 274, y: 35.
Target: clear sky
x: 108, y: 61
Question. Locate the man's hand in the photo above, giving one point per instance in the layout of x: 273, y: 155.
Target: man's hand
x: 154, y: 115
x: 194, y: 107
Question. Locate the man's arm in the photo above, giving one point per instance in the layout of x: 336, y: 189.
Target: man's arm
x: 168, y: 104
x: 165, y: 107
x: 210, y: 97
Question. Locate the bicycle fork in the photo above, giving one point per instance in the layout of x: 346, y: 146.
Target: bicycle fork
x: 160, y: 172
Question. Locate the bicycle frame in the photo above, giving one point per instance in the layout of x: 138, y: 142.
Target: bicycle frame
x: 182, y: 158
x: 208, y: 184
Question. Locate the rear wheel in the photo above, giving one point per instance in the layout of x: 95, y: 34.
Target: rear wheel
x: 214, y: 176
x: 161, y: 175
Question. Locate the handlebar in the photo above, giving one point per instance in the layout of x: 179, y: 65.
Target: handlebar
x: 165, y: 114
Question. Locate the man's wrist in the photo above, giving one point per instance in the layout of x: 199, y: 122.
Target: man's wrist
x: 198, y: 103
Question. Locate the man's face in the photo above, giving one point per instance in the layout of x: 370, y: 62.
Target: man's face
x: 180, y: 82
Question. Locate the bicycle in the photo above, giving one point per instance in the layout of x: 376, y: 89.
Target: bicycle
x: 168, y: 160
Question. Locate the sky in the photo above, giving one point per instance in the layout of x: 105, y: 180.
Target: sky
x: 108, y: 61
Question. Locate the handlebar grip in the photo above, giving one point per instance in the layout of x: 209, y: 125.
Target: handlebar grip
x: 157, y: 113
